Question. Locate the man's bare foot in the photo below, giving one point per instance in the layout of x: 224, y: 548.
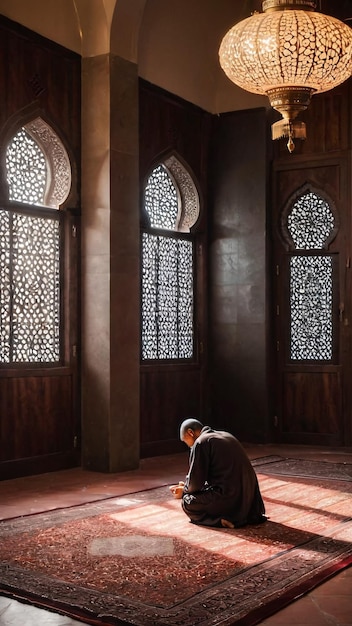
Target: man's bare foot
x: 225, y: 523
x: 177, y: 491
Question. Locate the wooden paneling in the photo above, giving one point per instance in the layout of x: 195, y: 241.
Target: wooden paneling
x: 36, y: 416
x: 36, y: 72
x: 312, y: 403
x: 173, y: 394
x: 40, y: 407
x: 325, y: 175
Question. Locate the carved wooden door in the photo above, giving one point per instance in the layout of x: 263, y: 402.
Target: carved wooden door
x: 312, y: 304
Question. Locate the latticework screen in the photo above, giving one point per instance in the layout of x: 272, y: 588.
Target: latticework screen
x: 161, y: 199
x: 26, y: 169
x: 167, y: 272
x: 29, y: 288
x: 310, y: 224
x: 167, y: 298
x: 311, y: 296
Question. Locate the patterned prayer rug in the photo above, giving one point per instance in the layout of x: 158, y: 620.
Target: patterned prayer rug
x: 304, y: 467
x: 136, y: 560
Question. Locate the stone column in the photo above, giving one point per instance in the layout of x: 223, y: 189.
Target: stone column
x: 110, y: 264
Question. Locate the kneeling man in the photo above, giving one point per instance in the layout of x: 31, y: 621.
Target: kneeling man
x: 221, y: 487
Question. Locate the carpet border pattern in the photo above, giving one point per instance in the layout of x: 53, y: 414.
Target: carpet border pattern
x: 227, y: 604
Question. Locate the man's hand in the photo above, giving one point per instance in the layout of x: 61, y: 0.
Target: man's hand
x: 177, y: 490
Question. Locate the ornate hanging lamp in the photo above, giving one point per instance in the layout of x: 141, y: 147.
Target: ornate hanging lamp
x: 289, y: 52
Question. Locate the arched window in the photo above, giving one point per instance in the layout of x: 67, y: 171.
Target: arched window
x: 38, y: 176
x: 309, y: 225
x: 171, y: 208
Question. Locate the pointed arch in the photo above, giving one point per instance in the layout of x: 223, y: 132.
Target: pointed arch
x: 190, y: 204
x: 58, y: 161
x: 185, y: 186
x: 125, y: 28
x: 316, y: 201
x: 61, y: 179
x: 50, y: 156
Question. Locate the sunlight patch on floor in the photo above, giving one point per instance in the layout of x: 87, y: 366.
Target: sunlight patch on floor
x: 132, y: 546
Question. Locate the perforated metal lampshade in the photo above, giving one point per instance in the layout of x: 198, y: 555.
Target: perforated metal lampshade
x: 289, y: 52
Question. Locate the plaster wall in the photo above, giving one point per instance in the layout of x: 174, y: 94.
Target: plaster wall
x: 178, y: 50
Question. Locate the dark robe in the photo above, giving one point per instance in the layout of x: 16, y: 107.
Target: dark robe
x: 221, y: 482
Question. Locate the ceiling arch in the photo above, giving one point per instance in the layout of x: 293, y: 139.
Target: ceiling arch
x: 95, y: 18
x: 125, y: 28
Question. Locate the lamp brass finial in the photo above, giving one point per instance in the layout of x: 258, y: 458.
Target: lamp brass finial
x: 282, y: 5
x: 290, y: 144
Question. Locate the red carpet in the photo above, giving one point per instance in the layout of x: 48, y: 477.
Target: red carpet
x: 137, y: 560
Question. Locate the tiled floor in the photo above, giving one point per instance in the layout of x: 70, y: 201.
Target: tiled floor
x: 330, y: 604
